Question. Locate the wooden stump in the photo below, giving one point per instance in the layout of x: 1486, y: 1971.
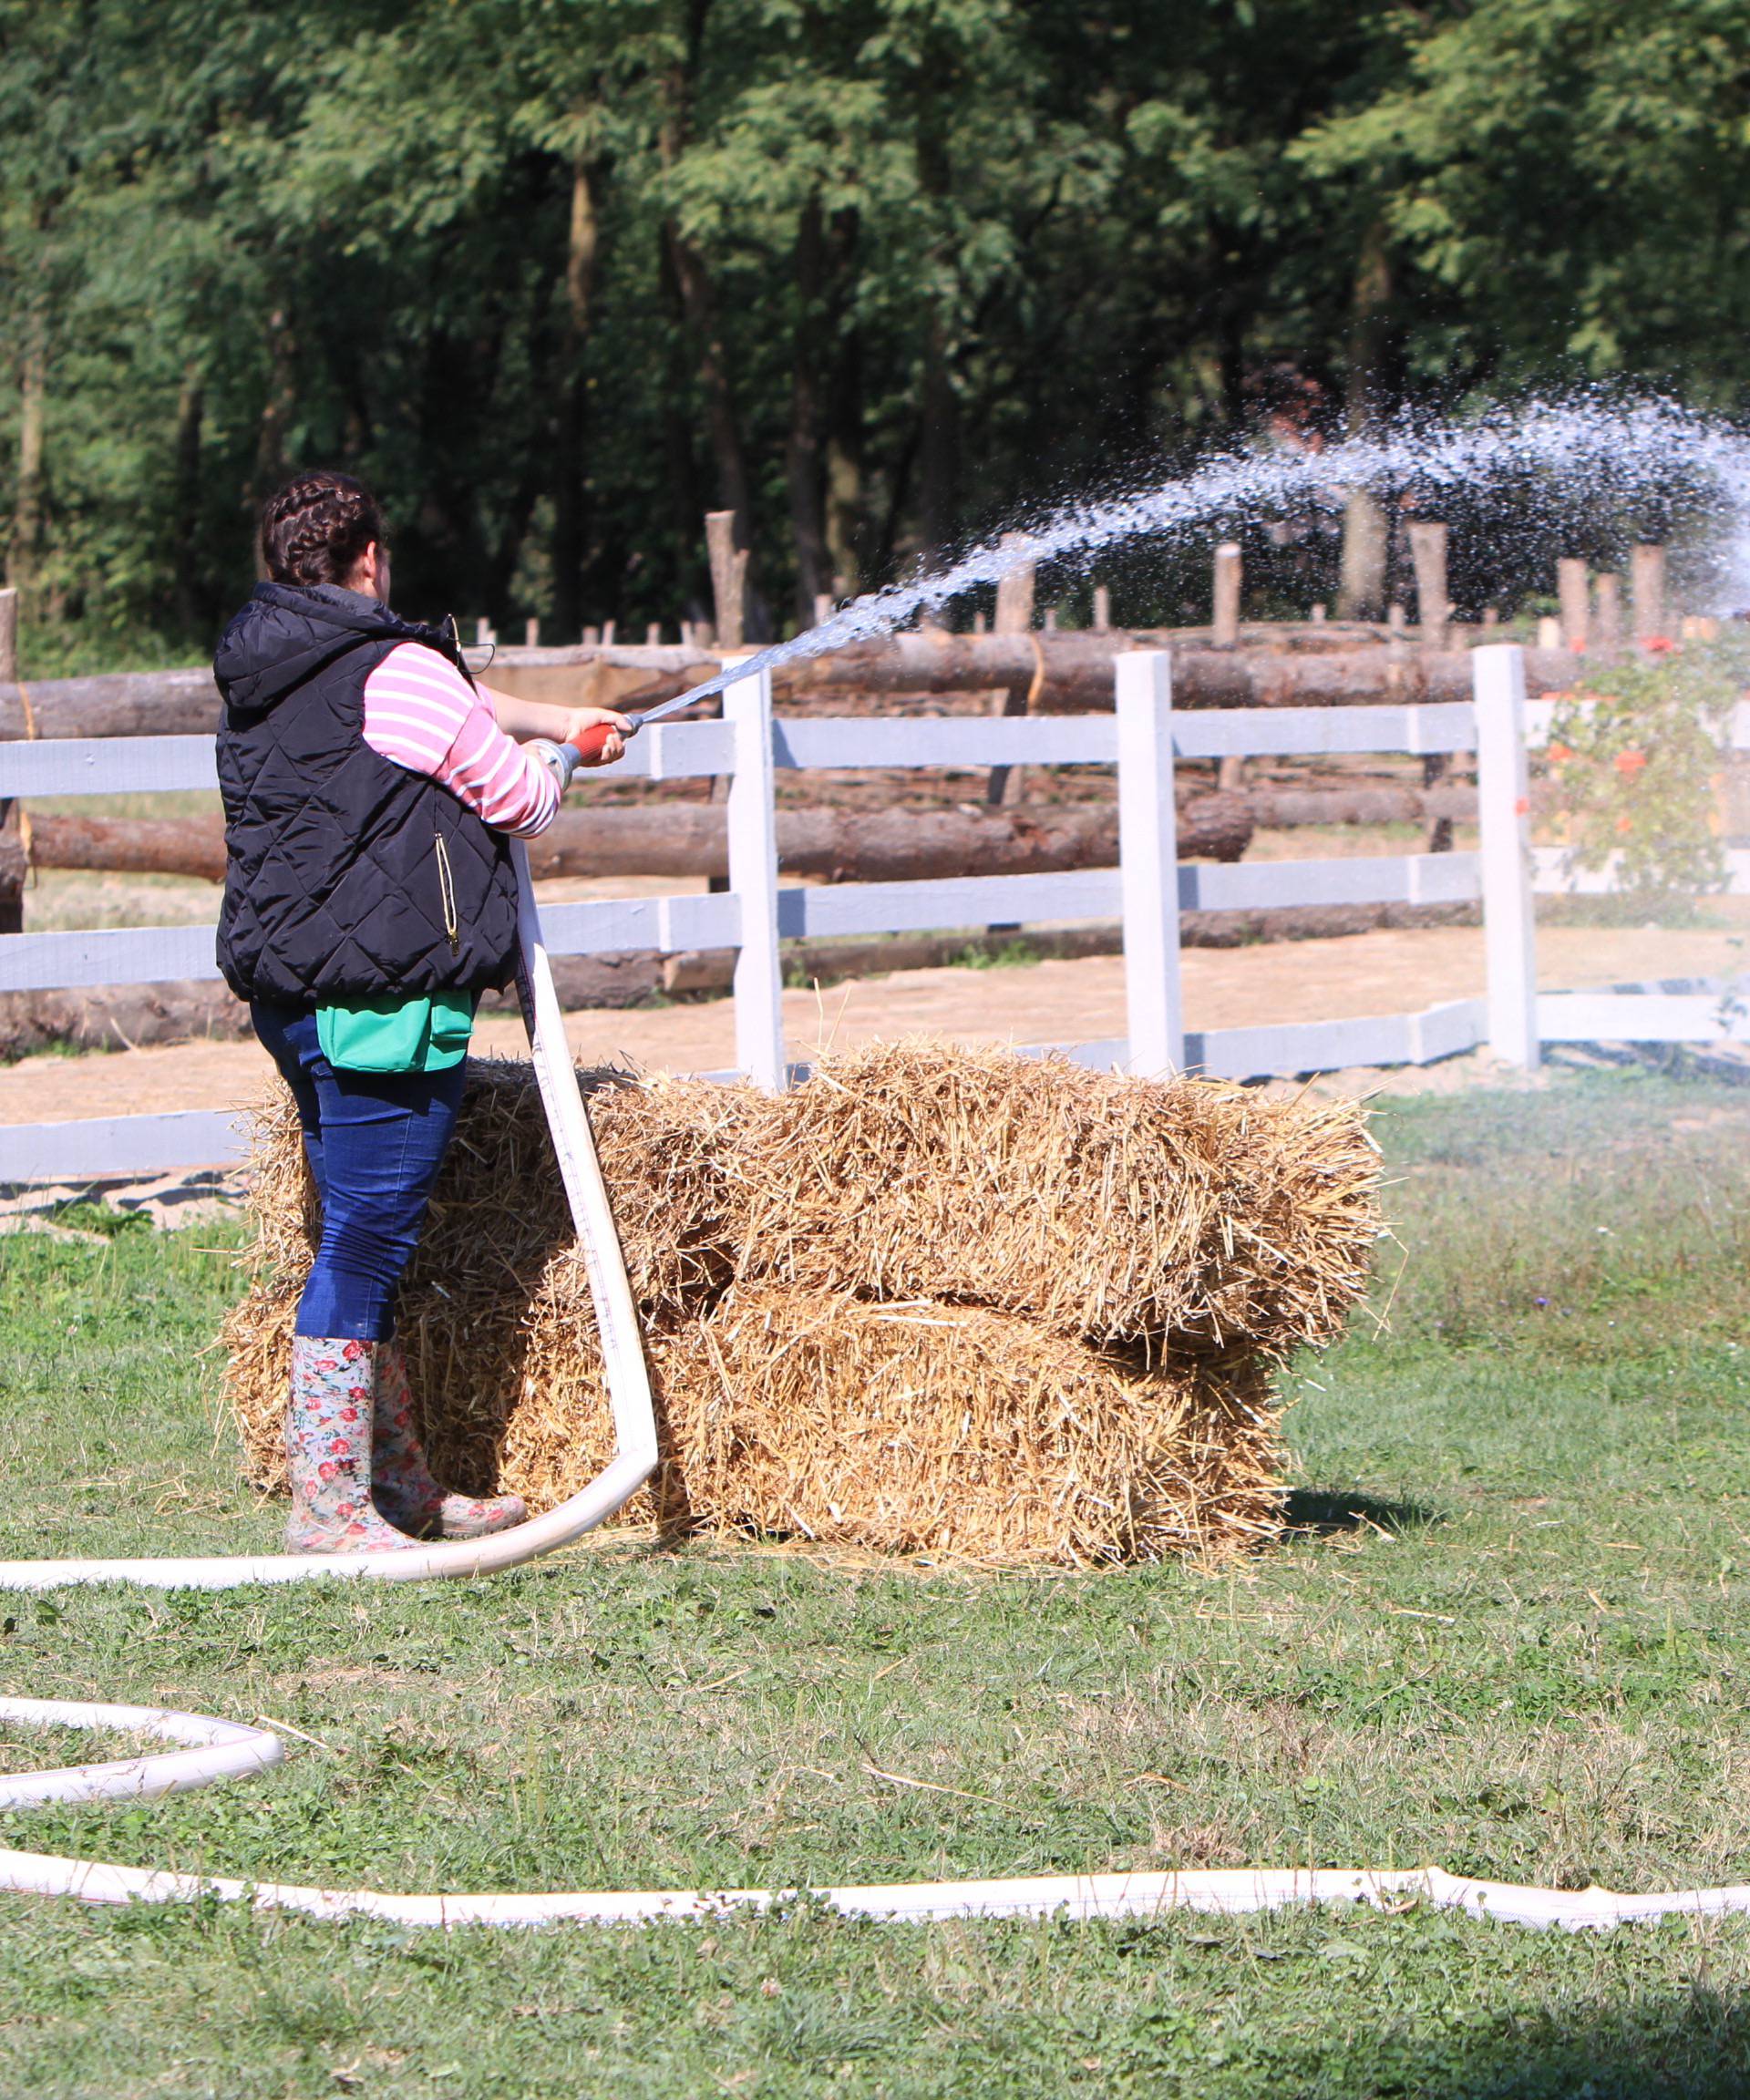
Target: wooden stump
x: 14, y: 866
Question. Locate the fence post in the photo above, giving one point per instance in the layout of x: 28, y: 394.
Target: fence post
x: 1504, y: 808
x: 1647, y: 591
x: 1148, y: 862
x: 752, y: 813
x: 1574, y: 590
x: 728, y: 577
x: 1608, y: 593
x: 1433, y: 607
x: 1224, y: 612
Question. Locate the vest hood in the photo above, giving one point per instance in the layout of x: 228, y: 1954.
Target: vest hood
x: 285, y: 634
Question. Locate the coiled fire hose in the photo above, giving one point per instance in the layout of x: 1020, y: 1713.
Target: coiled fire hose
x: 212, y: 1751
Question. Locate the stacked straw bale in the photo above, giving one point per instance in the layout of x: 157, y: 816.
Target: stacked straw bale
x: 934, y: 1299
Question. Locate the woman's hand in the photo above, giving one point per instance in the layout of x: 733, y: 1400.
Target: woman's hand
x: 580, y: 721
x: 579, y: 726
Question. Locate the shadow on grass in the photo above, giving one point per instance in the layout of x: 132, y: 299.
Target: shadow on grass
x: 1654, y: 2050
x: 1323, y: 1512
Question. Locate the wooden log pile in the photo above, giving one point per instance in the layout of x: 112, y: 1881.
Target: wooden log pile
x: 1062, y: 673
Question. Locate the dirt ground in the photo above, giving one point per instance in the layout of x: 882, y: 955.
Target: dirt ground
x: 1380, y: 972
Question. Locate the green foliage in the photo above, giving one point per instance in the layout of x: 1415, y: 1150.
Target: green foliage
x: 1564, y: 167
x: 1636, y: 764
x: 559, y: 277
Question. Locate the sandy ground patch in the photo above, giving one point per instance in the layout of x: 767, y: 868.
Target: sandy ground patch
x: 1389, y: 972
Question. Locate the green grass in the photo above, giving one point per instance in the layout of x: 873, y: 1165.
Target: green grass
x: 1507, y: 1640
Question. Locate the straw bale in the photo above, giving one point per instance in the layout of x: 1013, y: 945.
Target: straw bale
x: 946, y: 1429
x: 932, y: 1299
x: 1170, y: 1213
x: 500, y: 1208
x: 958, y: 1431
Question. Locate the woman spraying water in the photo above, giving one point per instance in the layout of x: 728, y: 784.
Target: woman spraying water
x: 370, y: 791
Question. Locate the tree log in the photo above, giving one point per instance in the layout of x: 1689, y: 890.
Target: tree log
x: 131, y: 845
x: 126, y: 703
x: 1286, y: 808
x: 691, y: 839
x: 878, y: 846
x: 1075, y: 671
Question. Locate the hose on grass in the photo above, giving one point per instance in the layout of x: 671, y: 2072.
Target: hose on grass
x: 218, y: 1750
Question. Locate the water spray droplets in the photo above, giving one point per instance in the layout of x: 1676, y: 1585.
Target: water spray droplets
x: 1552, y: 459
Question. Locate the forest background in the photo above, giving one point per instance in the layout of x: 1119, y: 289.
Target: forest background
x: 559, y: 275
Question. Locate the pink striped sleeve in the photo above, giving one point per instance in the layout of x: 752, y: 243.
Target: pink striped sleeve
x: 421, y: 713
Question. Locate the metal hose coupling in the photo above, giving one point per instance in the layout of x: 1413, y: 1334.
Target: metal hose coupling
x: 561, y: 760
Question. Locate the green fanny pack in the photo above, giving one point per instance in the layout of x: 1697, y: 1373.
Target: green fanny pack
x: 397, y: 1034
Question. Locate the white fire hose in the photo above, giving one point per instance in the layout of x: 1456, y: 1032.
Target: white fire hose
x: 217, y: 1750
x: 214, y: 1750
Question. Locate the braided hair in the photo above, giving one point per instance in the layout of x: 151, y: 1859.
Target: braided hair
x: 315, y: 529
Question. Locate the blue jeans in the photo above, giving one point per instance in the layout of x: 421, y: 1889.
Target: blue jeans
x: 375, y: 1141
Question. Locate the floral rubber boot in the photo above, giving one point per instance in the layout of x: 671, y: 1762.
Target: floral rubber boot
x: 328, y: 1449
x: 401, y: 1480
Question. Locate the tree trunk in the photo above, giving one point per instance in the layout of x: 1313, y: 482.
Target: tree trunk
x: 875, y: 846
x: 699, y: 313
x: 699, y: 306
x: 846, y: 524
x: 25, y: 554
x: 276, y: 411
x: 1367, y: 539
x: 13, y: 869
x: 131, y: 845
x: 802, y: 453
x: 582, y: 243
x: 938, y: 421
x: 190, y: 607
x: 938, y: 439
x: 679, y: 455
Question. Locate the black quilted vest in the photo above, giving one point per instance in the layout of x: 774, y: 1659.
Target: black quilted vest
x: 348, y: 878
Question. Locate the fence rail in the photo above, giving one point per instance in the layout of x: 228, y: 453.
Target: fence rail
x: 1143, y: 738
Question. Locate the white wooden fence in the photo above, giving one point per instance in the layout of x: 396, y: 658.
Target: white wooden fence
x: 1143, y: 737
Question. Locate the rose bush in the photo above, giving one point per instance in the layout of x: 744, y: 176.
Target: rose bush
x: 1635, y: 766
